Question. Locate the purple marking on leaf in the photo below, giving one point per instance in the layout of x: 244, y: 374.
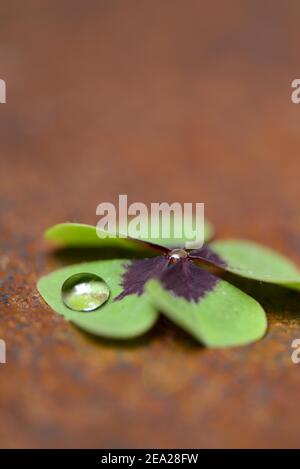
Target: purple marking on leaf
x: 208, y: 255
x: 139, y: 272
x: 183, y: 278
x: 187, y: 280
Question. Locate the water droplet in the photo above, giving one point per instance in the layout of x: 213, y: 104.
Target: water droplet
x: 177, y: 254
x: 84, y: 292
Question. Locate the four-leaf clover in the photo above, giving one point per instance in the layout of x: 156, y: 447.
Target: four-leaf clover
x: 173, y: 281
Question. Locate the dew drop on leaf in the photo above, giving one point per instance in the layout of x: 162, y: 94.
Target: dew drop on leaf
x: 176, y: 254
x: 84, y: 292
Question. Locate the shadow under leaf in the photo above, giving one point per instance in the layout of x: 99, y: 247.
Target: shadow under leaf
x: 87, y: 254
x: 162, y: 330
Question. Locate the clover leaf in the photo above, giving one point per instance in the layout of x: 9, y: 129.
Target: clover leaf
x: 224, y: 317
x: 117, y: 319
x: 81, y: 235
x: 174, y: 282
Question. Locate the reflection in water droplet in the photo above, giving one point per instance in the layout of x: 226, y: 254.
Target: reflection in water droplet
x: 84, y: 292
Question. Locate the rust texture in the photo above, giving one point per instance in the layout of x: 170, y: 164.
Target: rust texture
x: 178, y: 101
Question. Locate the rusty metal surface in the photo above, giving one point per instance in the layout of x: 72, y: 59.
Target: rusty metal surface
x: 186, y: 101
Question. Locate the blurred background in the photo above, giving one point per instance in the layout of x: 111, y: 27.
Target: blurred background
x: 170, y: 100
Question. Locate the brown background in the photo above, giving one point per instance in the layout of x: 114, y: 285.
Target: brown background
x: 162, y: 100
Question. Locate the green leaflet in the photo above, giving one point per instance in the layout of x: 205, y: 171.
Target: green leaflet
x: 249, y: 259
x: 124, y: 319
x: 224, y: 317
x: 82, y: 235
